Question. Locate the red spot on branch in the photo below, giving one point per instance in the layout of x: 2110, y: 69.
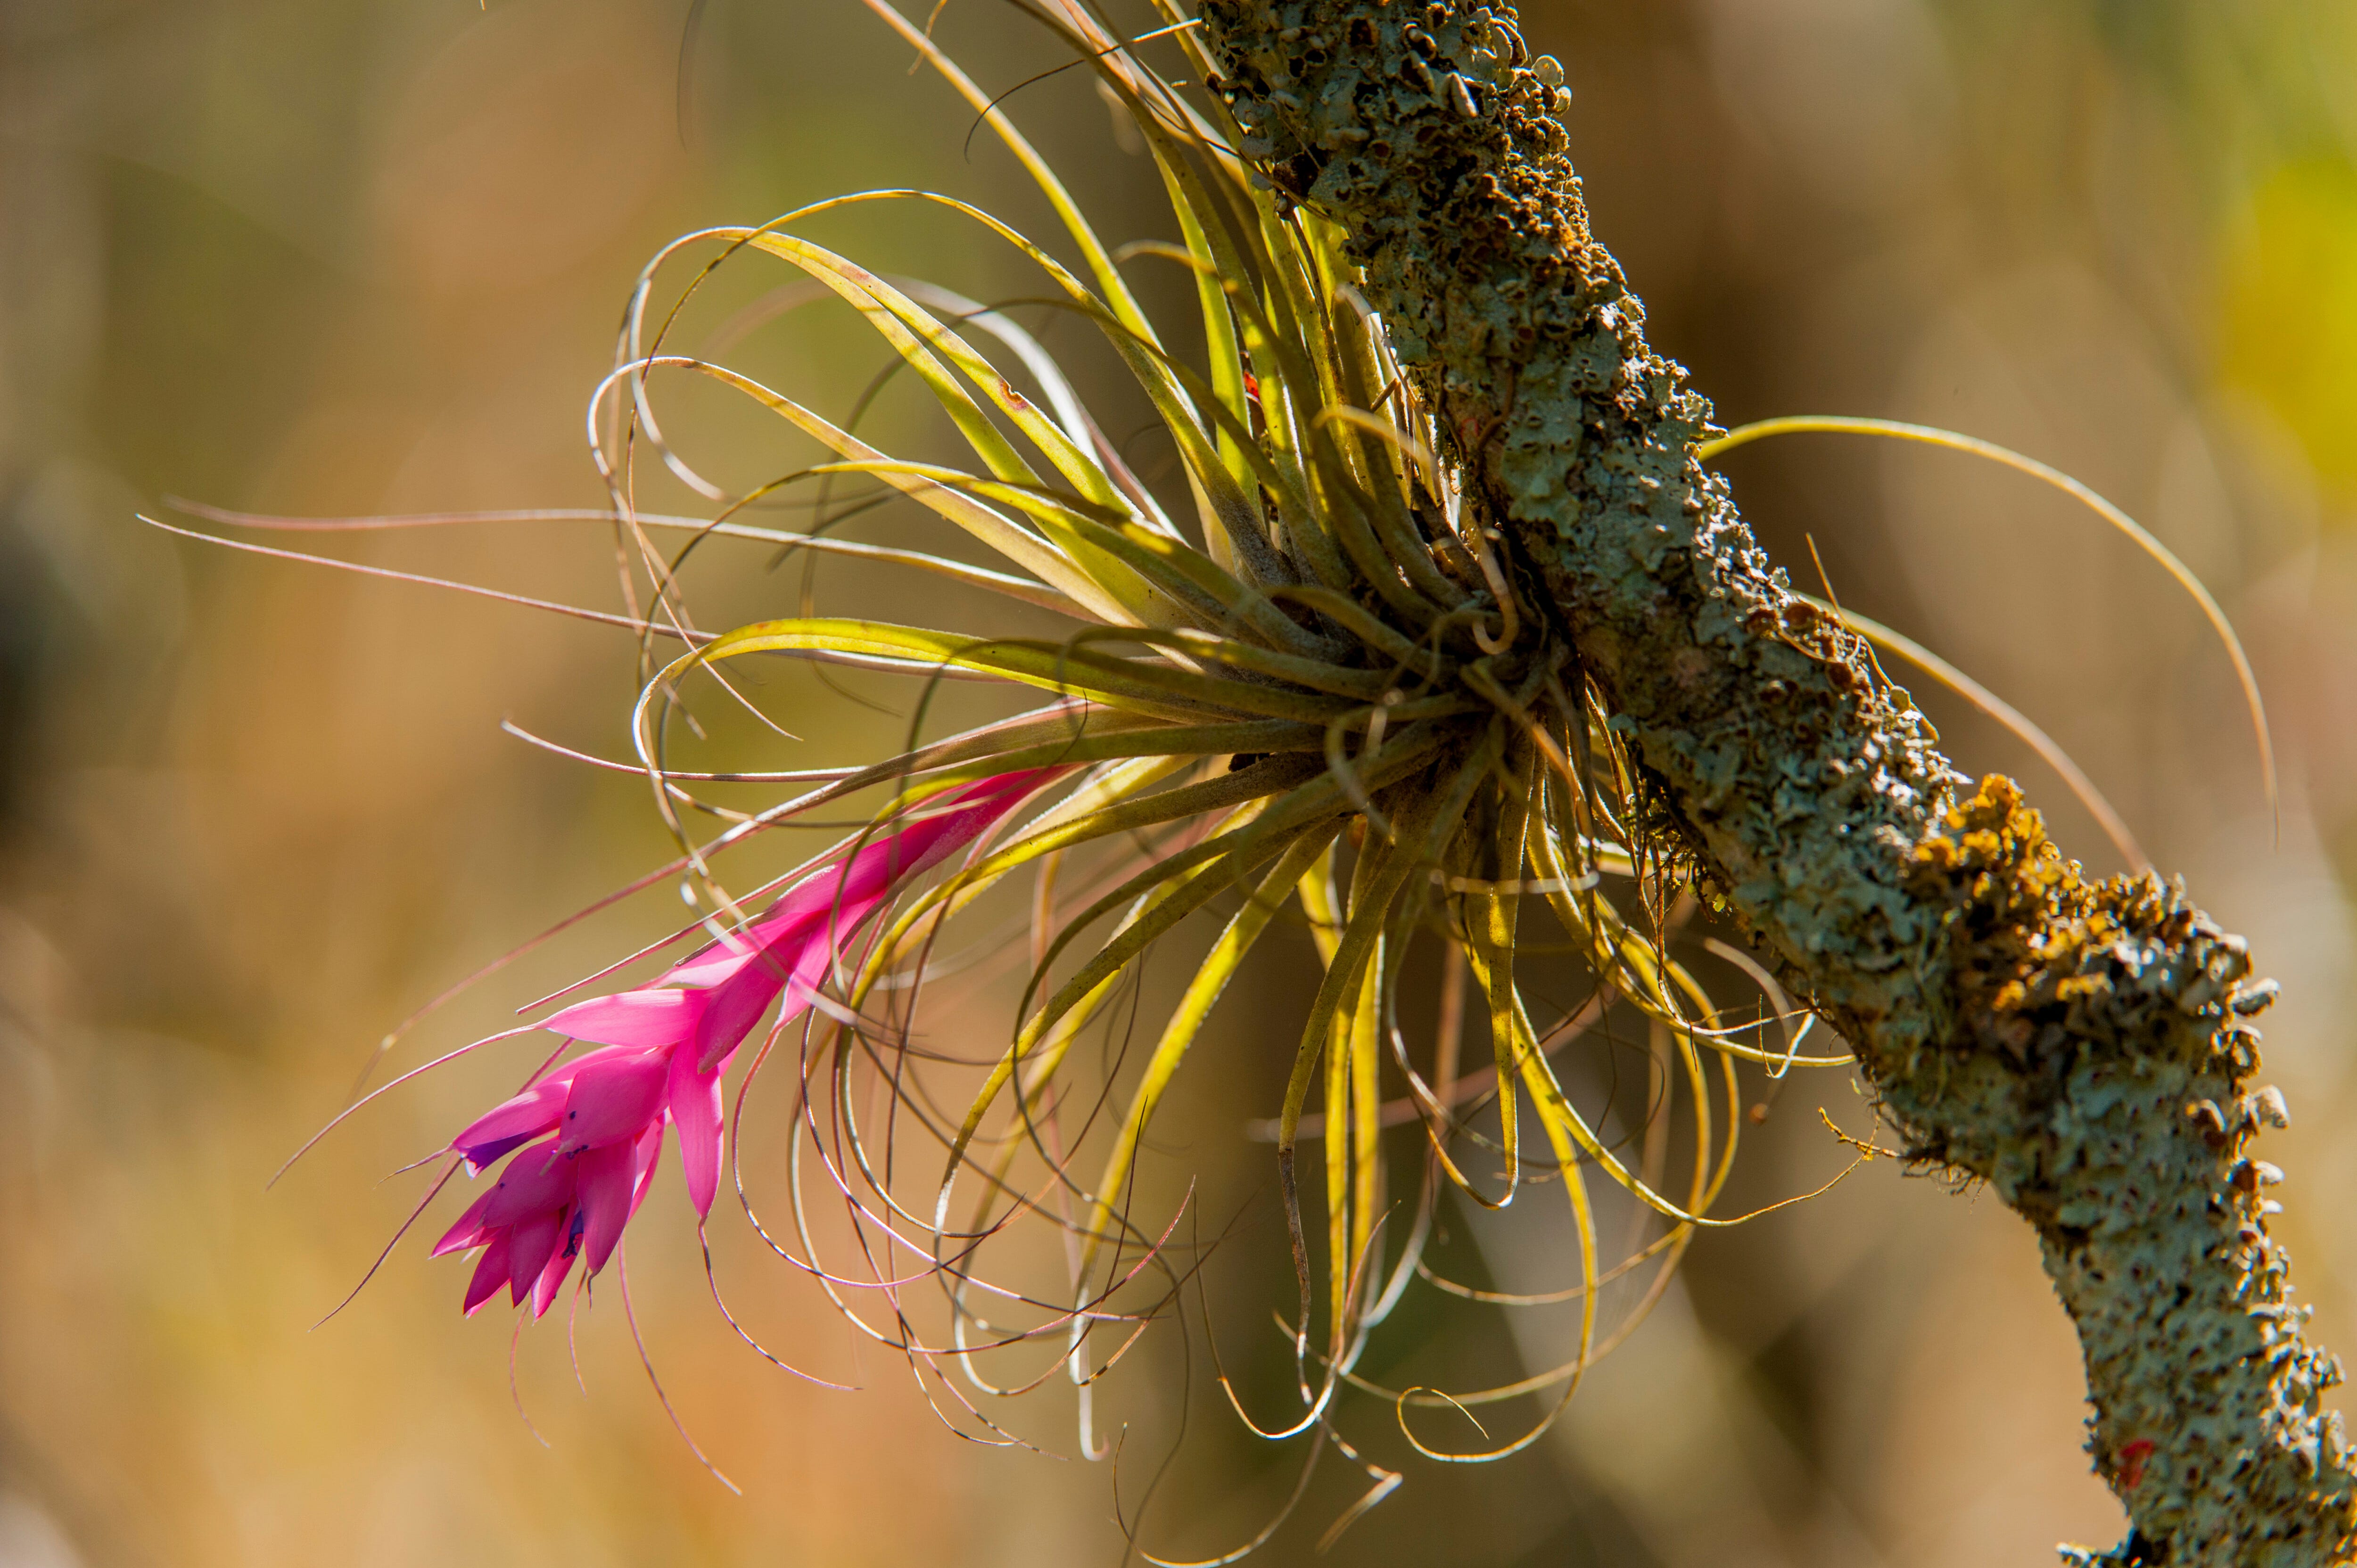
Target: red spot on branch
x: 2132, y: 1457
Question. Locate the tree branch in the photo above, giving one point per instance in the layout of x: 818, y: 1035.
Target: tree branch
x: 2079, y: 1046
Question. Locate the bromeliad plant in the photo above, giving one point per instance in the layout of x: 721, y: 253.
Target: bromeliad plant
x: 1329, y: 654
x: 1309, y: 693
x: 1318, y: 690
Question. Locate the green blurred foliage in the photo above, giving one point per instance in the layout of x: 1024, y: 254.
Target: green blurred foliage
x: 2288, y: 321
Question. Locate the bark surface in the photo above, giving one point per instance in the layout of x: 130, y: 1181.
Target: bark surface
x: 2079, y: 1046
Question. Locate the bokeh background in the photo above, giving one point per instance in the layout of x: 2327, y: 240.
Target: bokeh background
x: 366, y: 256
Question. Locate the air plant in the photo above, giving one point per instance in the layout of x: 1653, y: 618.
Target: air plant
x: 1311, y: 694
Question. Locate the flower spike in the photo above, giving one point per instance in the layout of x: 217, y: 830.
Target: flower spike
x: 661, y: 1050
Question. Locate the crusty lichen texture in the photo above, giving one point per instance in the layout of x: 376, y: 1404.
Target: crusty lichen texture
x: 2079, y: 1046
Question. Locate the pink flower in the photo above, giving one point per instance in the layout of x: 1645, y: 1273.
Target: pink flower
x: 548, y: 1207
x: 663, y: 1049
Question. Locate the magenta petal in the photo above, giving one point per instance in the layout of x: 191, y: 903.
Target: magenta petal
x: 530, y: 1246
x: 532, y: 1182
x: 613, y: 1099
x: 840, y: 896
x: 695, y: 1098
x: 529, y: 1114
x: 832, y: 895
x: 925, y: 844
x: 481, y: 1156
x: 513, y: 1121
x: 644, y: 1157
x: 640, y: 1018
x: 544, y: 1289
x: 756, y: 968
x: 719, y: 962
x: 491, y: 1274
x: 797, y: 966
x: 737, y: 1005
x: 609, y: 1177
x: 467, y: 1233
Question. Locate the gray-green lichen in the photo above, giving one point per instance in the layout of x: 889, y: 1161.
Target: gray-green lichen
x: 2079, y: 1046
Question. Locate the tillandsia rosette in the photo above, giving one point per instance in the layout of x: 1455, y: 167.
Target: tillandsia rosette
x: 1317, y: 689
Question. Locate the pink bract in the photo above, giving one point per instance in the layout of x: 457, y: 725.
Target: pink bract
x: 661, y: 1050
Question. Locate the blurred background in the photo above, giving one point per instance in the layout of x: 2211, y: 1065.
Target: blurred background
x: 367, y: 256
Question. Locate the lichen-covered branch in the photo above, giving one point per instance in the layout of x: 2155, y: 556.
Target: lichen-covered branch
x: 2079, y: 1046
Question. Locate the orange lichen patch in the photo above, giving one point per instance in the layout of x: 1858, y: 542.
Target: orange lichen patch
x: 2018, y: 906
x: 2034, y: 944
x: 1995, y: 851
